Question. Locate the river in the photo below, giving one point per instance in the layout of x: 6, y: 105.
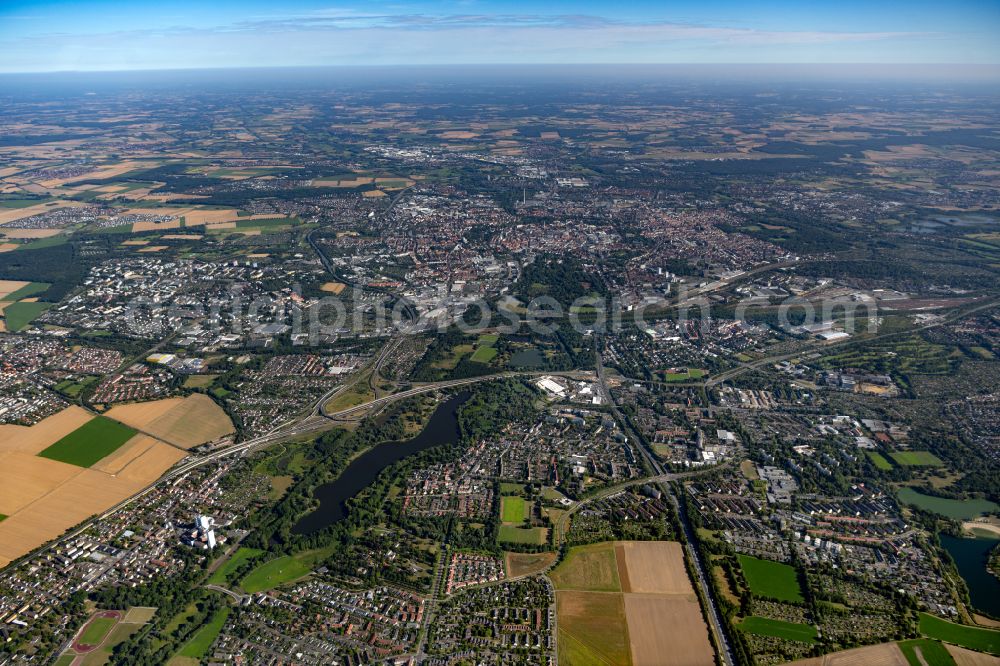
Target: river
x: 970, y: 557
x: 442, y: 428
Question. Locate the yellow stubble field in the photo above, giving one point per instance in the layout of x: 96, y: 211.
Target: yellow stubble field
x: 42, y: 498
x: 184, y: 422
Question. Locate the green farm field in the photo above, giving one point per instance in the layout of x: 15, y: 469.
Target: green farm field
x: 591, y: 567
x: 18, y: 315
x: 89, y: 443
x: 932, y: 653
x: 974, y: 638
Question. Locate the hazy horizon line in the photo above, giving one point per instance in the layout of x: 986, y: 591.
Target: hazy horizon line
x: 981, y: 71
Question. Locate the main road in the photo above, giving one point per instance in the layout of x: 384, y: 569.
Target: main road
x: 315, y: 422
x: 661, y: 478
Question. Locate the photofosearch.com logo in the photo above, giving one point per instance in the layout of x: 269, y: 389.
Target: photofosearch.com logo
x: 359, y: 312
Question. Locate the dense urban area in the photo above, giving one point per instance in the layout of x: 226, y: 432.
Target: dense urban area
x: 587, y: 372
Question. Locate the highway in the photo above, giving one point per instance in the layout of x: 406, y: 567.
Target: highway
x: 662, y: 478
x: 315, y: 422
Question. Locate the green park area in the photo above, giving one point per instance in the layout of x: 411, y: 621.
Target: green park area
x: 221, y: 575
x: 957, y: 509
x: 773, y: 580
x: 283, y: 570
x: 202, y: 640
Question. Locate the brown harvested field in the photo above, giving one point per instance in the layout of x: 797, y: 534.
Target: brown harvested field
x: 10, y: 286
x: 156, y: 226
x: 78, y: 498
x: 153, y: 462
x: 592, y: 628
x: 32, y: 439
x: 654, y: 567
x: 154, y: 248
x: 458, y: 134
x: 125, y: 454
x: 667, y: 630
x: 883, y: 654
x: 43, y: 498
x: 8, y: 247
x: 332, y: 287
x: 194, y: 218
x: 184, y: 422
x: 525, y: 564
x: 25, y: 477
x: 29, y: 233
x: 964, y: 657
x: 330, y: 182
x: 182, y: 237
x: 373, y: 193
x: 136, y: 242
x: 984, y: 621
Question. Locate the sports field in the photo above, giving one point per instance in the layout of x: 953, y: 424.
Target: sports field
x: 535, y: 535
x: 916, y: 459
x: 765, y: 626
x: 90, y: 442
x: 96, y: 630
x: 513, y: 510
x: 974, y: 638
x: 773, y: 580
x: 879, y: 461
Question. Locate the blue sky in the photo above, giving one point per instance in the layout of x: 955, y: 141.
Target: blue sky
x: 57, y: 35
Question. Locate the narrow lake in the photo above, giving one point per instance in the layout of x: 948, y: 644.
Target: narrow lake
x: 971, y: 556
x: 442, y: 428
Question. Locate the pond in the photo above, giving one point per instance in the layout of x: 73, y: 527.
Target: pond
x: 442, y: 428
x: 527, y: 358
x: 971, y: 556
